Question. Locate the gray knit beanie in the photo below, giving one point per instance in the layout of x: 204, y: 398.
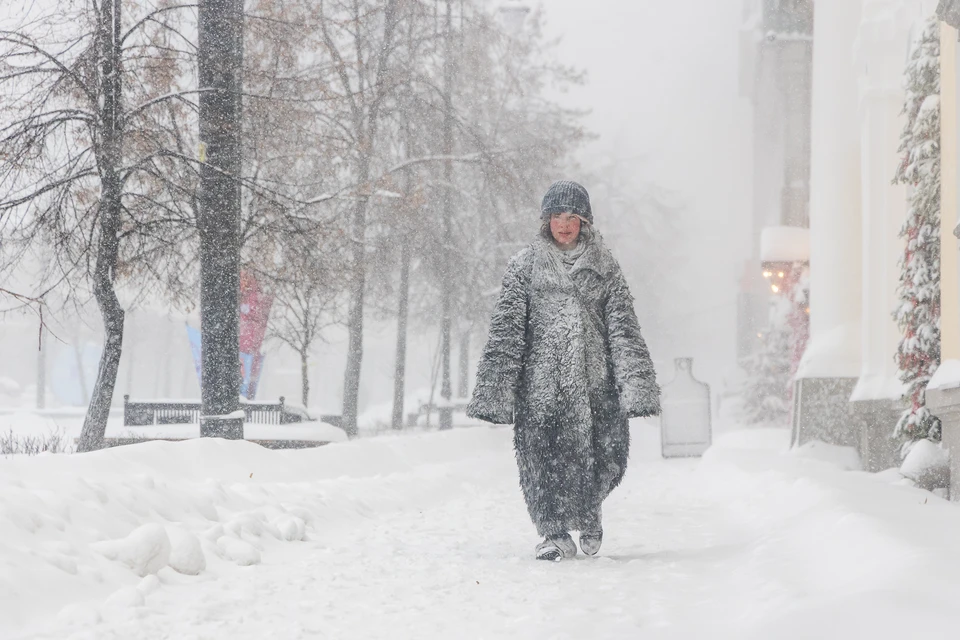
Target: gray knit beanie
x: 566, y: 196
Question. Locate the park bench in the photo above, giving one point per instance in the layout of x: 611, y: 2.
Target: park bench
x: 459, y: 404
x: 158, y: 412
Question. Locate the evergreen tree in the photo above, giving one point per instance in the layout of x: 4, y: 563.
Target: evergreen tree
x: 767, y: 390
x: 918, y: 312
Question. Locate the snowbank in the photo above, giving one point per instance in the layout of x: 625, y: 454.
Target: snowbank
x: 300, y: 431
x: 845, y: 458
x: 843, y: 543
x: 81, y: 534
x: 216, y: 539
x: 69, y: 423
x: 928, y: 465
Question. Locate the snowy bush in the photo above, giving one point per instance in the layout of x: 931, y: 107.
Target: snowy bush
x: 13, y: 444
x: 928, y: 465
x: 767, y: 389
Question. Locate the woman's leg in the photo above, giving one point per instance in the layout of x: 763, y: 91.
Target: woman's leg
x: 556, y: 547
x: 591, y: 532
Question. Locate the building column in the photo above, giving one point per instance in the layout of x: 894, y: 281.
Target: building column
x: 949, y: 201
x: 884, y: 37
x: 831, y: 364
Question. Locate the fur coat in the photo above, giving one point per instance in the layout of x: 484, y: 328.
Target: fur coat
x: 566, y: 364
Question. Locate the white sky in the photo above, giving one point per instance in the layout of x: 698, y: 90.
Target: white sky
x: 663, y: 85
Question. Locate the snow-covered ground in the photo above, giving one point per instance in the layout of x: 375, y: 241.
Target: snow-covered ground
x: 426, y: 536
x: 67, y: 424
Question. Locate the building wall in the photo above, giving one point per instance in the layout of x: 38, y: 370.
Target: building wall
x: 881, y: 52
x: 949, y: 280
x: 796, y: 58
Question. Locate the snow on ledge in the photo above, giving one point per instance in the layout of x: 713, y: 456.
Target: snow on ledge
x: 878, y: 386
x: 785, y: 244
x: 947, y: 376
x: 832, y: 354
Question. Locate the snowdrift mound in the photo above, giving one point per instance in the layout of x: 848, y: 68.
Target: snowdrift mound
x: 108, y: 528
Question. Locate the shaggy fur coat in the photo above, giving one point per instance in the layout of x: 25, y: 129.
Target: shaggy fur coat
x: 566, y: 364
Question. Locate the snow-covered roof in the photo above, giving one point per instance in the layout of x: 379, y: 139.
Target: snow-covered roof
x: 785, y: 244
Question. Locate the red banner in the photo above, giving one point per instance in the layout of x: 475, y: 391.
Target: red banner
x: 254, y: 314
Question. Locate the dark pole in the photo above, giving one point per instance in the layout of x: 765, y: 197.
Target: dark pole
x: 446, y: 386
x: 220, y: 55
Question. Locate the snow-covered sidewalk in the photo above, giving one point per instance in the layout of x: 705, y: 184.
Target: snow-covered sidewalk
x: 426, y: 536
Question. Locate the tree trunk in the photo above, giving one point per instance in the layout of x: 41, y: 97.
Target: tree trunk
x: 464, y: 390
x: 367, y: 133
x: 305, y: 378
x: 400, y: 370
x: 446, y: 271
x: 351, y: 378
x: 98, y: 412
x: 42, y: 371
x: 131, y: 357
x: 109, y: 159
x: 220, y: 51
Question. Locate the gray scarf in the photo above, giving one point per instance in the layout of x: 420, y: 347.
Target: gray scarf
x: 569, y: 257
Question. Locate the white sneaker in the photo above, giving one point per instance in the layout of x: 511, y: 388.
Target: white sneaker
x: 556, y: 548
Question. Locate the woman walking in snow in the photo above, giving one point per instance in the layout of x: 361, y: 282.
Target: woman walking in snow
x: 566, y: 364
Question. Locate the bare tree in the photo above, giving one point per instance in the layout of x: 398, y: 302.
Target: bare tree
x: 358, y: 36
x: 486, y: 210
x: 389, y: 147
x: 78, y: 148
x: 307, y: 293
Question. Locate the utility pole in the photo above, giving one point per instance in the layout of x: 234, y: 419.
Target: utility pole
x: 446, y: 386
x: 220, y: 55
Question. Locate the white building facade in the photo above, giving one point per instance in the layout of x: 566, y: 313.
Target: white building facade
x: 847, y: 391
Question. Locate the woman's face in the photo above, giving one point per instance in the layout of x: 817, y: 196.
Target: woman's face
x: 565, y: 229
